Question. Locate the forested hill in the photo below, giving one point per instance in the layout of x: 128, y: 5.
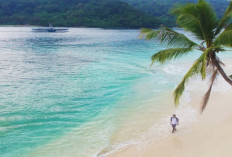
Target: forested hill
x: 89, y: 13
x: 160, y: 8
x: 94, y: 13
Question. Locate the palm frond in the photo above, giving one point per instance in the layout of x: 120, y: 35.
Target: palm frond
x: 146, y: 30
x: 205, y: 59
x: 200, y: 19
x: 148, y: 33
x: 208, y: 18
x: 203, y: 67
x: 224, y: 39
x: 168, y: 36
x: 229, y: 26
x: 228, y: 10
x: 207, y: 94
x: 194, y: 70
x: 192, y: 24
x: 225, y: 19
x: 169, y: 54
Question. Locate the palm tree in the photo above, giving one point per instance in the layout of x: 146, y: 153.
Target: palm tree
x: 215, y: 36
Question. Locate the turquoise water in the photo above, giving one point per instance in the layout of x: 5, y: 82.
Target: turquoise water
x: 69, y: 94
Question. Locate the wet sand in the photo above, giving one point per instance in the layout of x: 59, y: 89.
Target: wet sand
x: 210, y: 136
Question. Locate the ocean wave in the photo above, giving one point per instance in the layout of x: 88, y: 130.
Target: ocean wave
x: 158, y: 130
x: 174, y: 69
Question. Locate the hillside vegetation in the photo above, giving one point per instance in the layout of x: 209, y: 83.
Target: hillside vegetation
x: 90, y: 13
x: 93, y: 13
x: 160, y: 8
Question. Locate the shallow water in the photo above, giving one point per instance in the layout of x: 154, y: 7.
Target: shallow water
x: 80, y: 93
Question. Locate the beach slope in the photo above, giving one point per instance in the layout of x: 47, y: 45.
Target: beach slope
x: 210, y: 136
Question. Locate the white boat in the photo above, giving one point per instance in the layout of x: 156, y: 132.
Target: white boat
x: 50, y: 29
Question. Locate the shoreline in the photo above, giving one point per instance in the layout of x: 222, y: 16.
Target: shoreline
x: 158, y: 131
x: 207, y: 137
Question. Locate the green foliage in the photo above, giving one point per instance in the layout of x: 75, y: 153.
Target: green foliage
x: 169, y: 37
x: 193, y: 71
x: 94, y: 13
x: 168, y: 54
x: 225, y: 39
x: 199, y: 19
x: 160, y: 8
x: 90, y: 13
x: 199, y: 67
x: 225, y: 19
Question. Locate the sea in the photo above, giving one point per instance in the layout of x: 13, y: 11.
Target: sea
x: 84, y: 93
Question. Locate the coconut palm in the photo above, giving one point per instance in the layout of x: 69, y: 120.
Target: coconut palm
x: 215, y: 36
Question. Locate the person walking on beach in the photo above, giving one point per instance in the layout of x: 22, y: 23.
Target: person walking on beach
x: 174, y: 121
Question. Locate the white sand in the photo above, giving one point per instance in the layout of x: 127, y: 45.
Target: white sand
x: 210, y: 136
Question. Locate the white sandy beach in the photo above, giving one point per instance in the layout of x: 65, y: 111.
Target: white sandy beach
x: 210, y: 136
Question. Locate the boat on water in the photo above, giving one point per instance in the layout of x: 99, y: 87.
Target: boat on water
x: 50, y: 29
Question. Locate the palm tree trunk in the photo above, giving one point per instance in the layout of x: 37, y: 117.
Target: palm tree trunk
x: 221, y: 71
x: 216, y: 62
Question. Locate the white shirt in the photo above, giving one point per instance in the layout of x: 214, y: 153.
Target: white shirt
x: 174, y: 120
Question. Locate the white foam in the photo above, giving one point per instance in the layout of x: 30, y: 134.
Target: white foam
x: 174, y: 69
x: 161, y: 128
x: 117, y: 147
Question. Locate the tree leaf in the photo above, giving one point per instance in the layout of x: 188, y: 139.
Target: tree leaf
x: 200, y: 19
x: 224, y: 39
x: 169, y: 54
x: 194, y: 70
x: 225, y: 19
x: 168, y: 37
